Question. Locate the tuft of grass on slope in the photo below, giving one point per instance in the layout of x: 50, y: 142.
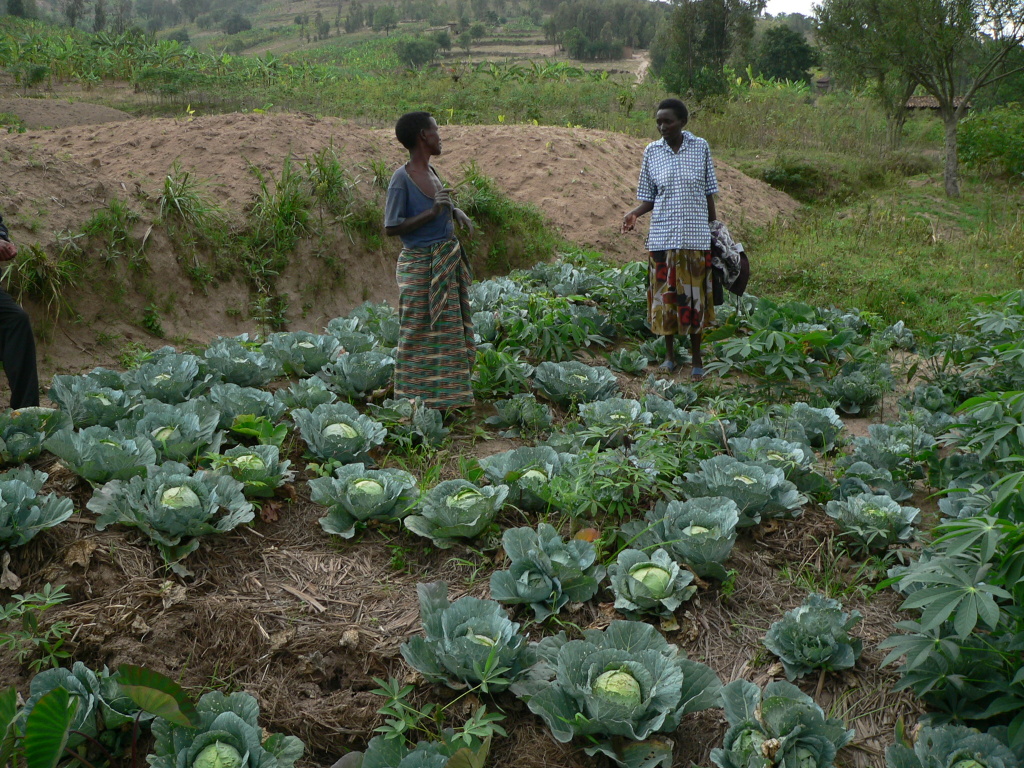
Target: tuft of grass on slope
x: 908, y: 253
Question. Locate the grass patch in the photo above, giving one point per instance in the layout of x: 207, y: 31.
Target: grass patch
x: 908, y: 253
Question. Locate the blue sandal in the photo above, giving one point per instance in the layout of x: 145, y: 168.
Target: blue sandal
x: 668, y: 366
x: 697, y: 374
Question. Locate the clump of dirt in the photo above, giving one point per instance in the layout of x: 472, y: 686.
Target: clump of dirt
x: 582, y: 180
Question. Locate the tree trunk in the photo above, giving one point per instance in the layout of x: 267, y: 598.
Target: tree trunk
x: 894, y: 123
x: 951, y: 171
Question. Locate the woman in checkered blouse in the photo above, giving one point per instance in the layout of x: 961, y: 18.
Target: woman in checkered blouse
x: 677, y: 182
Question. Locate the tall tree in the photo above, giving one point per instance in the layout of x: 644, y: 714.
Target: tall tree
x: 856, y: 52
x: 73, y: 10
x: 951, y: 48
x: 99, y: 18
x: 692, y: 49
x: 17, y: 8
x: 785, y: 54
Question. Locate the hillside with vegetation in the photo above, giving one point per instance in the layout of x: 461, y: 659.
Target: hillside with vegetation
x: 228, y: 546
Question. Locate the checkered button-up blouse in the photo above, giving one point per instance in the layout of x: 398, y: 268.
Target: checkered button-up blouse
x: 678, y: 184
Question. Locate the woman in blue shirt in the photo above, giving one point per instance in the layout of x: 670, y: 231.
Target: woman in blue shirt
x: 436, y: 352
x: 677, y: 182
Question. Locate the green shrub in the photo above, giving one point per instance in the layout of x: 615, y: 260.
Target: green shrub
x: 994, y: 138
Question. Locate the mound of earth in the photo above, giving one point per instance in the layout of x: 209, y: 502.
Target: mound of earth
x: 60, y: 113
x: 582, y: 180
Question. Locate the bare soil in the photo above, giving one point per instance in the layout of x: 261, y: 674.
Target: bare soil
x: 301, y: 620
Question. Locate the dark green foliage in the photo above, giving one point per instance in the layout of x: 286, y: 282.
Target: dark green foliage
x: 994, y: 138
x: 236, y: 23
x: 785, y: 55
x: 416, y: 52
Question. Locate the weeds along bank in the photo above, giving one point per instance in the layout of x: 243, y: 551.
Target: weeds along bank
x: 597, y: 564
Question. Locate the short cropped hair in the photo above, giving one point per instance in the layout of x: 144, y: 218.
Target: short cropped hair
x: 409, y: 125
x: 676, y: 106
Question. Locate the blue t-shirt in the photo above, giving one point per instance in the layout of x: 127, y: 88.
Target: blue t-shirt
x: 404, y: 201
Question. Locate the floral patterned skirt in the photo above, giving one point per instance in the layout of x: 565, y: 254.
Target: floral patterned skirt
x: 679, y: 299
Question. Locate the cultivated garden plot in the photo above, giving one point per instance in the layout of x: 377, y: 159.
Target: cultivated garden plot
x: 596, y: 566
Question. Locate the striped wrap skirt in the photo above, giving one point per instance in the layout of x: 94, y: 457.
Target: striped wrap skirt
x: 436, y: 352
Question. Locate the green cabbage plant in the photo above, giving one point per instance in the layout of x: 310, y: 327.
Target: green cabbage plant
x: 173, y: 507
x: 259, y: 469
x: 346, y: 330
x: 23, y: 432
x: 546, y: 572
x: 951, y: 746
x: 103, y: 711
x: 381, y: 320
x: 456, y: 509
x: 898, y: 448
x: 700, y: 533
x: 179, y: 432
x: 630, y: 361
x: 796, y: 460
x: 521, y: 415
x: 410, y: 422
x: 89, y: 403
x: 574, y: 382
x: 305, y: 393
x: 450, y: 752
x: 872, y: 522
x: 232, y: 401
x: 171, y: 378
x: 617, y: 690
x: 649, y: 584
x: 783, y: 727
x: 358, y: 374
x: 239, y: 361
x: 860, y: 477
x: 526, y: 471
x: 99, y: 454
x: 228, y: 735
x: 469, y: 642
x: 356, y: 494
x: 338, y: 431
x: 23, y: 511
x: 301, y: 353
x: 815, y: 635
x: 759, y: 490
x: 820, y: 428
x: 614, y: 420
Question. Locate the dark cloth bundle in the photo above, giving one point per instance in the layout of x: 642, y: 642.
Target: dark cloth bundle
x: 730, y: 268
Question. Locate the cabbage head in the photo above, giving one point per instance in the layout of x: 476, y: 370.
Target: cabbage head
x: 649, y: 584
x: 23, y: 432
x: 88, y: 403
x: 784, y: 716
x: 815, y: 635
x: 259, y: 469
x: 301, y: 353
x: 338, y: 431
x: 820, y: 428
x: 356, y: 494
x: 358, y: 374
x: 796, y: 460
x: 232, y: 401
x: 239, y: 361
x: 526, y: 471
x: 521, y: 415
x: 759, y: 490
x: 699, y: 533
x: 615, y: 686
x: 173, y: 507
x: 871, y: 523
x: 456, y: 509
x: 951, y: 746
x: 305, y: 393
x: 380, y: 320
x: 170, y: 378
x: 895, y: 447
x: 546, y: 572
x: 614, y: 419
x: 469, y: 642
x: 574, y: 382
x: 178, y: 432
x: 228, y: 736
x: 23, y: 511
x: 99, y: 454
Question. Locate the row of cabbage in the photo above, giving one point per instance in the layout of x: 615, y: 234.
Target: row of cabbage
x: 769, y: 466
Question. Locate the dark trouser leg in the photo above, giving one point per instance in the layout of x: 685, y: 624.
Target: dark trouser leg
x: 18, y: 352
